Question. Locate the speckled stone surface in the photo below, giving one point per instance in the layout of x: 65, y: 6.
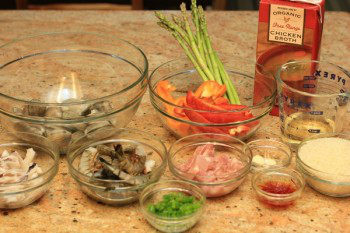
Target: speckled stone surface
x: 65, y: 209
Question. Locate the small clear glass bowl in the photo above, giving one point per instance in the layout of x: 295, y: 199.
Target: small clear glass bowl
x: 183, y: 149
x: 20, y: 194
x: 269, y: 154
x: 282, y: 175
x: 326, y: 183
x: 116, y: 192
x: 154, y: 193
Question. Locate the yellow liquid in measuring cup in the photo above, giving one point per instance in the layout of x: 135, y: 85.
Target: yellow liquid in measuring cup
x: 299, y: 126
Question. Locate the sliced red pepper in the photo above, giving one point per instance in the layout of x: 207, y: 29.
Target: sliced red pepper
x: 196, y: 117
x: 164, y: 89
x: 221, y: 100
x: 210, y: 89
x: 215, y: 117
x: 200, y: 104
x: 232, y: 107
x: 181, y: 101
x: 222, y: 118
x: 180, y: 128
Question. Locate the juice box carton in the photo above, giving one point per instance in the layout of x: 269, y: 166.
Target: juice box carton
x: 288, y: 30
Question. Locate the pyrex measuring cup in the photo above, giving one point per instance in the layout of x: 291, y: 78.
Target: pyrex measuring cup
x: 313, y: 99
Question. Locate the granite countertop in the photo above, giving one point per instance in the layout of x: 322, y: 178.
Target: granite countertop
x: 65, y: 209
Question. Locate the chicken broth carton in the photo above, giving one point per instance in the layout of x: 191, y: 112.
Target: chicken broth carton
x: 288, y: 30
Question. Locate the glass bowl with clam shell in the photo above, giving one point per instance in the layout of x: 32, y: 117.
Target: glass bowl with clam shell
x: 116, y: 167
x: 28, y: 164
x: 65, y: 85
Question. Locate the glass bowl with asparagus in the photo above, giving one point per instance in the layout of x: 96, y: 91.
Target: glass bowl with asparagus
x: 204, y: 92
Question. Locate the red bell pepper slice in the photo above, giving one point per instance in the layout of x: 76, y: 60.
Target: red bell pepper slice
x: 221, y: 100
x: 216, y: 116
x: 210, y: 89
x: 181, y: 101
x: 232, y: 107
x: 196, y: 117
x: 164, y: 89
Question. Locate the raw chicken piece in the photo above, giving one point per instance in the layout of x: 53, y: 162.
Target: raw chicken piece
x: 206, y: 166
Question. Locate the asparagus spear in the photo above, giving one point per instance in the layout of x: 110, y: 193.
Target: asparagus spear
x: 198, y: 47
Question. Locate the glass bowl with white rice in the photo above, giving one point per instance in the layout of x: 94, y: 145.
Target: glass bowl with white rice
x: 324, y: 160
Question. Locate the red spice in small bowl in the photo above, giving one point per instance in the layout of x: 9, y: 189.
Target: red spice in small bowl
x: 278, y: 188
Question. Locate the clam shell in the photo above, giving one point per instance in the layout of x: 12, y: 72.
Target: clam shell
x: 74, y: 111
x: 76, y: 135
x: 34, y: 110
x: 25, y: 127
x: 59, y: 136
x: 54, y: 112
x: 97, y: 129
x: 103, y: 106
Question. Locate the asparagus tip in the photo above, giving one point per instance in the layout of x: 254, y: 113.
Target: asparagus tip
x: 159, y: 15
x: 183, y: 7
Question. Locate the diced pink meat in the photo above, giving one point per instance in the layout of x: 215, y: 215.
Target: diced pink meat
x: 206, y: 166
x: 201, y: 159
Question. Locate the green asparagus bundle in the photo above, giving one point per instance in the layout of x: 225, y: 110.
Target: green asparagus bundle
x: 197, y: 46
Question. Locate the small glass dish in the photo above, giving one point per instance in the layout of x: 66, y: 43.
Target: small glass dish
x: 182, y: 152
x: 154, y: 193
x: 269, y: 154
x: 33, y: 183
x: 278, y: 187
x: 114, y: 191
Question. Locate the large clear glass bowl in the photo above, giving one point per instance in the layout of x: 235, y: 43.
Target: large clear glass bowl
x: 65, y: 85
x: 184, y: 77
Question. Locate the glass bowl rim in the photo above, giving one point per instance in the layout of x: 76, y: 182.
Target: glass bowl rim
x: 53, y: 169
x: 192, y: 69
x: 284, y: 84
x: 238, y: 175
x: 75, y: 173
x: 143, y: 72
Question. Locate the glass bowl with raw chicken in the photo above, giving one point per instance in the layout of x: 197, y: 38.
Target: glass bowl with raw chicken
x: 115, y: 167
x: 217, y: 163
x: 28, y: 164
